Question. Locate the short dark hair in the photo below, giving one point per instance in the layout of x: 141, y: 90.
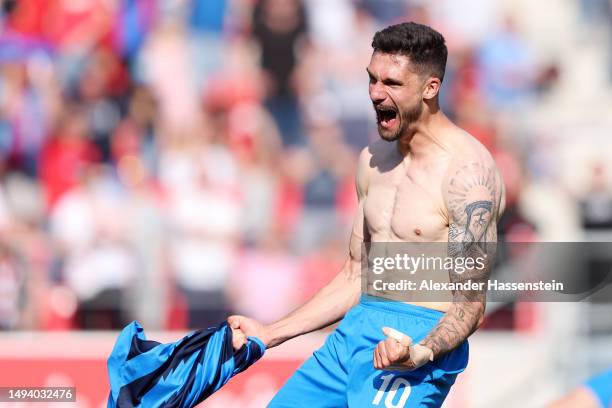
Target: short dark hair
x: 424, y: 46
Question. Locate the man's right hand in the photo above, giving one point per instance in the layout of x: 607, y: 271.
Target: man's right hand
x: 251, y: 327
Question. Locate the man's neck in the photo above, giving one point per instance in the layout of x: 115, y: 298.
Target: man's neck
x: 424, y: 135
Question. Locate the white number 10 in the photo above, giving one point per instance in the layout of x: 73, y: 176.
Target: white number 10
x: 399, y: 381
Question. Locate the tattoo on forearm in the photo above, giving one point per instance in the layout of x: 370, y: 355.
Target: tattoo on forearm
x: 471, y: 198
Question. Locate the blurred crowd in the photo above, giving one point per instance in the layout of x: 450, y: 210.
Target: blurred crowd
x: 174, y: 161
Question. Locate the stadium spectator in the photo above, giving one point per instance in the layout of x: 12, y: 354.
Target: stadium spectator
x: 507, y: 67
x: 279, y: 27
x: 66, y: 155
x: 96, y: 261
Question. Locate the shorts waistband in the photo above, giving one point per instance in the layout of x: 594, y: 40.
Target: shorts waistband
x: 392, y: 306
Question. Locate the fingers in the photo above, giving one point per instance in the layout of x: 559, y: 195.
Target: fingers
x: 377, y: 363
x: 392, y: 352
x: 385, y: 355
x: 239, y: 339
x: 400, y: 337
x: 234, y: 321
x: 252, y: 328
x: 382, y: 357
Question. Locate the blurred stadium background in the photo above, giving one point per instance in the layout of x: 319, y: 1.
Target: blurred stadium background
x: 174, y: 161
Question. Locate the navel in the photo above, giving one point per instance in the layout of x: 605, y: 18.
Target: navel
x: 417, y: 231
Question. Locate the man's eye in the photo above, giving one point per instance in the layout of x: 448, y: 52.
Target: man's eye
x: 393, y: 84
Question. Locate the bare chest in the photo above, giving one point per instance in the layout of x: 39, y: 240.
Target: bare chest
x: 406, y: 205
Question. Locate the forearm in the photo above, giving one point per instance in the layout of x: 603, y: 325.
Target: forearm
x: 328, y: 306
x: 461, y: 320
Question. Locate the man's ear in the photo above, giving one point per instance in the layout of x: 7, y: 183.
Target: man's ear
x: 432, y: 87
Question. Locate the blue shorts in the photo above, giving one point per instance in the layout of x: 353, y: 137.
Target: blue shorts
x: 341, y: 373
x: 601, y: 387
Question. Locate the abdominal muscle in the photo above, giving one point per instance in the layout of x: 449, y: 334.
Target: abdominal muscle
x: 439, y: 300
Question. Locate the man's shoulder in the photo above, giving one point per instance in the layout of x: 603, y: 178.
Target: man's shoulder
x: 372, y: 158
x: 469, y: 157
x: 472, y: 167
x: 470, y: 149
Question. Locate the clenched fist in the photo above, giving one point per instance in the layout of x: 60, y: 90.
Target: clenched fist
x: 249, y: 327
x: 397, y: 353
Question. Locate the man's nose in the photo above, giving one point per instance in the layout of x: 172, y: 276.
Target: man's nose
x: 377, y: 94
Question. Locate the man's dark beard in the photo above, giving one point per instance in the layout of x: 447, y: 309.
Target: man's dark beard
x: 407, y: 118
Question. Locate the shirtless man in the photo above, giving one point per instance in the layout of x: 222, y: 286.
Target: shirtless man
x: 425, y: 181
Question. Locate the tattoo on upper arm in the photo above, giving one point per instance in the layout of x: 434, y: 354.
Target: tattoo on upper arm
x: 471, y: 201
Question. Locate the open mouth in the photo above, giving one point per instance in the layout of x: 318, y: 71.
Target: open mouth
x: 386, y: 116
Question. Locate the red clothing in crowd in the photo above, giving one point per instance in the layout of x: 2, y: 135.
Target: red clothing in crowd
x: 62, y: 162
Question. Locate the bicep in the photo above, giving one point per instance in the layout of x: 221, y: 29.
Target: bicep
x: 472, y: 194
x: 359, y: 232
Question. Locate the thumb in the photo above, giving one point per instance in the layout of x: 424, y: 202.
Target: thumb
x: 234, y: 321
x: 400, y: 337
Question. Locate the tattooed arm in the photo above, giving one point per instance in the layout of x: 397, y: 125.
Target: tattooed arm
x: 473, y: 195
